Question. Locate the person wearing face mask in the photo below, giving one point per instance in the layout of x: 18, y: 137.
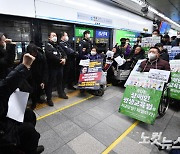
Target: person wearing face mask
x: 7, y: 55
x: 85, y: 45
x: 69, y: 67
x: 154, y: 61
x: 163, y: 52
x: 56, y: 59
x: 155, y: 33
x: 93, y: 54
x: 176, y: 42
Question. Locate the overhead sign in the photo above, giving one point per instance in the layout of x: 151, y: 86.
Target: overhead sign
x: 102, y: 34
x: 96, y: 19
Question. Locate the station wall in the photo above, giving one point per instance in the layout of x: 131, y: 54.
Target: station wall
x: 86, y: 12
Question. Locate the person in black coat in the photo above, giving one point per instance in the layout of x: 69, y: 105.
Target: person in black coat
x: 69, y: 67
x: 22, y: 134
x: 7, y: 55
x: 163, y: 52
x: 85, y: 45
x: 39, y: 74
x: 136, y: 55
x: 56, y: 59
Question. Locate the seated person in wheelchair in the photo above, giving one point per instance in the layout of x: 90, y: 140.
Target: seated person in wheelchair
x: 23, y: 135
x: 93, y: 55
x: 136, y: 54
x: 154, y: 61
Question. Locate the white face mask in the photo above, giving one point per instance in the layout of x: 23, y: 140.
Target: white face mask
x: 88, y: 35
x: 93, y: 53
x: 66, y: 38
x: 154, y: 35
x: 54, y: 39
x: 178, y: 36
x: 152, y: 56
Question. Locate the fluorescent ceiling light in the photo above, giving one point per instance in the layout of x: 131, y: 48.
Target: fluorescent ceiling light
x: 75, y: 3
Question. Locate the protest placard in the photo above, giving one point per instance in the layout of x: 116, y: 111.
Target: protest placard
x: 90, y: 76
x: 174, y: 85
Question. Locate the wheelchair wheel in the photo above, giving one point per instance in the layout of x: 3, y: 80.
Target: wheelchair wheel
x: 164, y: 103
x: 99, y: 92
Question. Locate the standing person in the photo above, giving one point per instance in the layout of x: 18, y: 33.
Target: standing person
x: 155, y: 33
x: 7, y: 55
x: 69, y: 67
x: 39, y: 74
x: 56, y: 59
x: 24, y: 134
x: 85, y: 45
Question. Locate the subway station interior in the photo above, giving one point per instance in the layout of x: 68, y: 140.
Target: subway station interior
x: 90, y: 77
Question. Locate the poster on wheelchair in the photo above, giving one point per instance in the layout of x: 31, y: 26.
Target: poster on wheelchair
x: 142, y: 95
x: 174, y: 85
x: 90, y: 76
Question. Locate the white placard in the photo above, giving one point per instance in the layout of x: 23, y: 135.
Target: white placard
x: 17, y: 105
x: 159, y: 75
x: 120, y: 60
x: 84, y: 62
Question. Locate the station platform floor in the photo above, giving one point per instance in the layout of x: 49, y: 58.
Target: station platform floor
x: 87, y: 124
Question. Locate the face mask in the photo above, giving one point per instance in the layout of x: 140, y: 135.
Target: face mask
x: 93, y: 53
x: 54, y: 39
x: 66, y: 38
x: 88, y: 35
x: 178, y: 36
x: 154, y: 35
x: 152, y: 56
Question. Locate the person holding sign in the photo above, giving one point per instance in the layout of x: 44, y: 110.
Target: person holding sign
x: 154, y: 61
x: 22, y: 134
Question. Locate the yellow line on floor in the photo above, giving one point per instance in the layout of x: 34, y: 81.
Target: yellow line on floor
x: 65, y: 107
x: 56, y: 99
x: 120, y: 138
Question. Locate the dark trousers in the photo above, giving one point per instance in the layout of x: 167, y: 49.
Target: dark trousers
x: 69, y: 73
x: 35, y: 95
x: 55, y: 77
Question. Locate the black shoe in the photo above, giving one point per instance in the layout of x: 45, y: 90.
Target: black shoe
x: 50, y: 103
x: 63, y: 96
x: 40, y: 149
x: 71, y: 88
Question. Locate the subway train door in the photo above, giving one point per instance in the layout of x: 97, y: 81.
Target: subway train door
x: 102, y: 40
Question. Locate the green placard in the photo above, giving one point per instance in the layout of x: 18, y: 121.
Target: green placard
x: 80, y: 30
x: 140, y: 103
x: 175, y: 85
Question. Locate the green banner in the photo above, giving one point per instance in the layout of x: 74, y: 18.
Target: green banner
x: 80, y: 30
x: 175, y: 85
x: 140, y: 103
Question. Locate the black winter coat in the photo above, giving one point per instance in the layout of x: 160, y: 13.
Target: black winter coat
x: 53, y: 54
x: 7, y: 57
x: 7, y: 87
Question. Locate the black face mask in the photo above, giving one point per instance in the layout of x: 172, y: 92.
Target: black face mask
x: 123, y: 43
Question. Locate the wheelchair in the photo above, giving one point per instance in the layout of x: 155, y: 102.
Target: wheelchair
x: 165, y: 101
